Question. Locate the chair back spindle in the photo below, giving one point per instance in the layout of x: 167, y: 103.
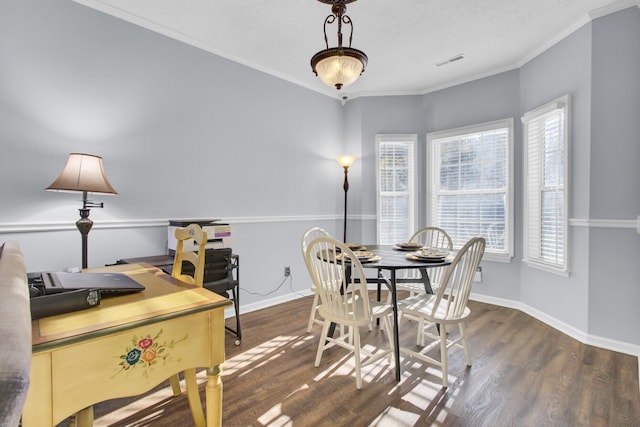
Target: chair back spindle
x: 457, y: 280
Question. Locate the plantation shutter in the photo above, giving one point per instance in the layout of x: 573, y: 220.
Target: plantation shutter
x: 546, y: 216
x: 395, y: 187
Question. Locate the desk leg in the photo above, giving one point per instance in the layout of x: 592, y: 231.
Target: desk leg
x: 83, y: 418
x: 194, y: 397
x: 175, y: 385
x: 396, y: 336
x: 214, y: 397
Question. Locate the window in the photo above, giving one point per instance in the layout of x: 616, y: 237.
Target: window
x: 471, y: 185
x: 546, y: 171
x: 395, y: 185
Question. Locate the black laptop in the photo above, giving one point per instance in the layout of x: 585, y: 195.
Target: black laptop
x: 107, y: 283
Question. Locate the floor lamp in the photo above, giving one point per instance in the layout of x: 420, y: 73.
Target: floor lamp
x: 84, y: 173
x: 345, y: 162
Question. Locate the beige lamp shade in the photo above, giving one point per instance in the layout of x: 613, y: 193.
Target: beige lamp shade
x: 83, y: 172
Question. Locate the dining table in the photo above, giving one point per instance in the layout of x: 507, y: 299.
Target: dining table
x: 392, y: 259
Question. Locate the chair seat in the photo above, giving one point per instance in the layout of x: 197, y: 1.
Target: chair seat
x: 422, y: 306
x: 357, y: 317
x: 221, y: 286
x: 411, y: 286
x: 416, y: 287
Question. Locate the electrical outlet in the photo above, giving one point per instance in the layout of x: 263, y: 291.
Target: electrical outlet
x: 287, y: 271
x: 478, y: 276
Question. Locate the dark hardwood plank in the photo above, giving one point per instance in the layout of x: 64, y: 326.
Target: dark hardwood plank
x: 524, y: 373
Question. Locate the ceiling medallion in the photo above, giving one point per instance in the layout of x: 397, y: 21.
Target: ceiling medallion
x: 338, y: 66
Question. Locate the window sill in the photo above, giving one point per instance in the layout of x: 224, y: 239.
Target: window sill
x: 504, y: 258
x: 548, y: 268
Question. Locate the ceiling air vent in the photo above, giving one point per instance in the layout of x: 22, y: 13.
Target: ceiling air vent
x: 450, y: 60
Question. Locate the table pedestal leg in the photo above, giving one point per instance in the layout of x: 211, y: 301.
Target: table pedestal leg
x: 396, y: 336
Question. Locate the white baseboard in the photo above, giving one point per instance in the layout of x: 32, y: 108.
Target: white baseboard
x: 266, y: 303
x: 583, y: 337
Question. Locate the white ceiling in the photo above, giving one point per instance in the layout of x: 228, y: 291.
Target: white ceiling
x: 403, y: 39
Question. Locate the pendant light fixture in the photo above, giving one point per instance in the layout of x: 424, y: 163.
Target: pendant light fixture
x: 338, y: 66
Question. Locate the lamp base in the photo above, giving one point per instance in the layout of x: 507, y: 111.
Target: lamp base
x: 84, y: 225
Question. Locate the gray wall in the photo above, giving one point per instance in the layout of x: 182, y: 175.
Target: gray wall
x: 183, y: 133
x: 598, y: 66
x: 564, y: 69
x: 614, y: 275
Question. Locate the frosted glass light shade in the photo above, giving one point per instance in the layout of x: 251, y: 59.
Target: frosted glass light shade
x: 339, y: 70
x: 83, y: 172
x: 339, y: 67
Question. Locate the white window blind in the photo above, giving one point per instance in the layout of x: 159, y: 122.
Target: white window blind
x: 470, y: 180
x: 546, y: 169
x: 395, y: 185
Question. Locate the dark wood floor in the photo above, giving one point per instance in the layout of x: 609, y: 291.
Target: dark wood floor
x: 524, y: 373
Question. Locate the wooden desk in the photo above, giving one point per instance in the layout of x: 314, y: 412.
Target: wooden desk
x: 125, y: 347
x: 165, y: 262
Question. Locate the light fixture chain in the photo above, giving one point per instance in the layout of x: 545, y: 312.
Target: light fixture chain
x: 339, y: 16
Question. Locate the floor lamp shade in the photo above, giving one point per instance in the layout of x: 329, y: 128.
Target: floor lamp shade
x: 84, y: 173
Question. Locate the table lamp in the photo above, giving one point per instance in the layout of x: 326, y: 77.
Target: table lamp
x: 84, y: 173
x: 345, y: 162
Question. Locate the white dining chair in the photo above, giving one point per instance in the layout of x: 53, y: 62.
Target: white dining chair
x: 307, y: 237
x: 448, y: 306
x: 344, y: 301
x: 430, y: 237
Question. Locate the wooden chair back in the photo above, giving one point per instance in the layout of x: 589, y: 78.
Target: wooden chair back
x: 197, y: 259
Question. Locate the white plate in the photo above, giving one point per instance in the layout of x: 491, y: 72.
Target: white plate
x: 363, y: 259
x: 413, y: 257
x: 409, y: 245
x: 356, y: 246
x: 359, y: 254
x: 431, y: 253
x: 405, y: 248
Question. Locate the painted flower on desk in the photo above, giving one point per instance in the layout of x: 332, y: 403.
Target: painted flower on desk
x: 146, y: 352
x: 132, y: 357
